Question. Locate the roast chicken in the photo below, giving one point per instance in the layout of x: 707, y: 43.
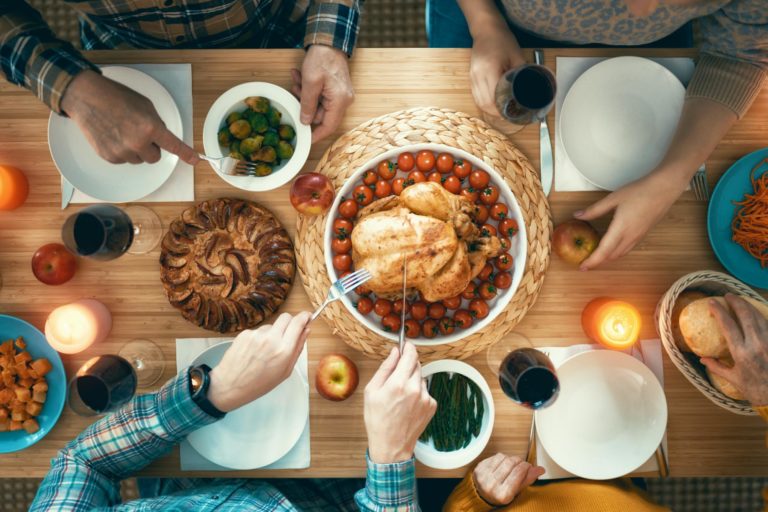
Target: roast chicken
x: 433, y: 230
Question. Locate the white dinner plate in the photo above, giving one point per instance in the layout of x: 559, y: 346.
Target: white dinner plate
x: 259, y: 433
x: 609, y: 417
x: 618, y: 119
x: 79, y: 163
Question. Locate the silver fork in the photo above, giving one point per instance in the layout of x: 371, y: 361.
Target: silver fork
x: 231, y: 166
x: 342, y: 287
x: 699, y: 184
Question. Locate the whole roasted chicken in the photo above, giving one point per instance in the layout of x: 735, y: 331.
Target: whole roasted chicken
x: 434, y: 230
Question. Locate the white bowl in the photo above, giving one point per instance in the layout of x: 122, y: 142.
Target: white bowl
x: 233, y: 101
x: 517, y: 250
x: 609, y: 417
x: 426, y: 453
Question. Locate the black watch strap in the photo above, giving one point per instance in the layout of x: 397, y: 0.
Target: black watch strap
x: 200, y: 395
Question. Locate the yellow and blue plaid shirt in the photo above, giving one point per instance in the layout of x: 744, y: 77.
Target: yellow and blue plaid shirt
x: 86, y: 474
x: 31, y: 56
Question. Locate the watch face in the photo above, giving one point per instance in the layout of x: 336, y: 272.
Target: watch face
x: 196, y: 380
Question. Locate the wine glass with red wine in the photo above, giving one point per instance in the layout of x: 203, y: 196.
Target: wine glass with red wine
x: 102, y: 385
x: 526, y: 375
x: 523, y: 95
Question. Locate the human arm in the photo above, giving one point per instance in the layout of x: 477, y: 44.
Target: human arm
x: 494, y: 50
x: 398, y: 408
x: 86, y: 474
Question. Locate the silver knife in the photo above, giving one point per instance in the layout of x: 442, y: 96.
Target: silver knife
x: 67, y: 191
x: 545, y: 143
x: 402, y: 314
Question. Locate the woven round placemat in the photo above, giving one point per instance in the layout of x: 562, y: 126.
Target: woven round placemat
x: 440, y: 126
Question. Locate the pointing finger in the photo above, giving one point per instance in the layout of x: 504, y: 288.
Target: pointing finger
x: 171, y: 143
x: 597, y: 209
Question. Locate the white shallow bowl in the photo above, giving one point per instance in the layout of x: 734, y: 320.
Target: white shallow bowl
x: 518, y: 249
x: 609, y: 417
x: 79, y: 163
x: 233, y: 101
x: 426, y: 453
x: 618, y: 119
x: 259, y: 433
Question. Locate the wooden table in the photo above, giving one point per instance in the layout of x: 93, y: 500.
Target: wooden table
x: 704, y: 440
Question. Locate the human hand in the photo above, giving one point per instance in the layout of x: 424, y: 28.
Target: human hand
x: 747, y: 337
x: 398, y: 407
x: 499, y: 479
x: 325, y: 89
x: 119, y: 123
x: 258, y: 361
x: 637, y: 208
x: 493, y: 53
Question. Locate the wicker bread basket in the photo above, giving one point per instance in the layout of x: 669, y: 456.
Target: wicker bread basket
x: 713, y: 283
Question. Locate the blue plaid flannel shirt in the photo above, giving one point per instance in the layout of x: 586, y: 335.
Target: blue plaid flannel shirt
x: 86, y: 474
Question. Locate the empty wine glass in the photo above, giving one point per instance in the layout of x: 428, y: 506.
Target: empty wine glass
x: 147, y: 360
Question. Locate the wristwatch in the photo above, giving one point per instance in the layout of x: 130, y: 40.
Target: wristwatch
x: 199, y: 380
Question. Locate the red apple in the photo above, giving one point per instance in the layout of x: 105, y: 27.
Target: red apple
x: 312, y: 194
x: 53, y: 264
x: 574, y: 240
x: 336, y: 377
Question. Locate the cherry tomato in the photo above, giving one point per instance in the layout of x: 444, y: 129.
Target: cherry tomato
x: 487, y: 230
x: 444, y: 163
x: 462, y: 169
x: 452, y: 184
x: 463, y: 319
x: 342, y: 262
x: 397, y: 306
x: 419, y: 310
x: 486, y: 272
x: 436, y: 310
x: 405, y: 162
x: 470, y: 194
x: 348, y: 208
x: 397, y: 185
x: 429, y: 328
x: 479, y: 179
x: 452, y: 302
x: 509, y: 227
x: 478, y: 308
x: 370, y: 177
x: 415, y: 177
x: 504, y: 261
x: 341, y: 245
x: 425, y: 161
x: 469, y: 292
x: 436, y: 177
x: 386, y: 170
x: 505, y: 243
x: 412, y: 328
x: 382, y: 307
x: 489, y: 195
x: 364, y: 305
x: 383, y: 189
x: 342, y: 227
x: 503, y: 280
x: 446, y: 326
x: 363, y: 195
x: 498, y: 211
x: 486, y: 291
x: 391, y: 323
x: 481, y: 213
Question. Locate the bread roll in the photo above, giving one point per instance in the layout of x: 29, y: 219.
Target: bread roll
x: 683, y: 300
x: 723, y: 385
x: 701, y: 330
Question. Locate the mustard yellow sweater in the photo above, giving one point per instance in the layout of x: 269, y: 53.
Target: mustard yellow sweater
x: 569, y: 496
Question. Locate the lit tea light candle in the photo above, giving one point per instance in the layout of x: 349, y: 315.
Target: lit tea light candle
x: 74, y: 327
x: 14, y: 187
x: 612, y: 323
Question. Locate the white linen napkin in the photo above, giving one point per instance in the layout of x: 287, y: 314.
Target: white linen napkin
x: 177, y: 79
x: 297, y: 458
x: 567, y: 177
x: 651, y: 349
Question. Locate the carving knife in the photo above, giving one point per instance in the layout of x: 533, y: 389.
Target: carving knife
x: 545, y: 143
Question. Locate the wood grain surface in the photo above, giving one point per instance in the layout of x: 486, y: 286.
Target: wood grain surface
x: 704, y: 440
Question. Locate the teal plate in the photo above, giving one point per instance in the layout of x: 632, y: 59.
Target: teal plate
x: 732, y: 187
x: 12, y: 327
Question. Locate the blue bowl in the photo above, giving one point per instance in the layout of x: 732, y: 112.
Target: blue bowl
x: 732, y: 187
x: 12, y: 327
